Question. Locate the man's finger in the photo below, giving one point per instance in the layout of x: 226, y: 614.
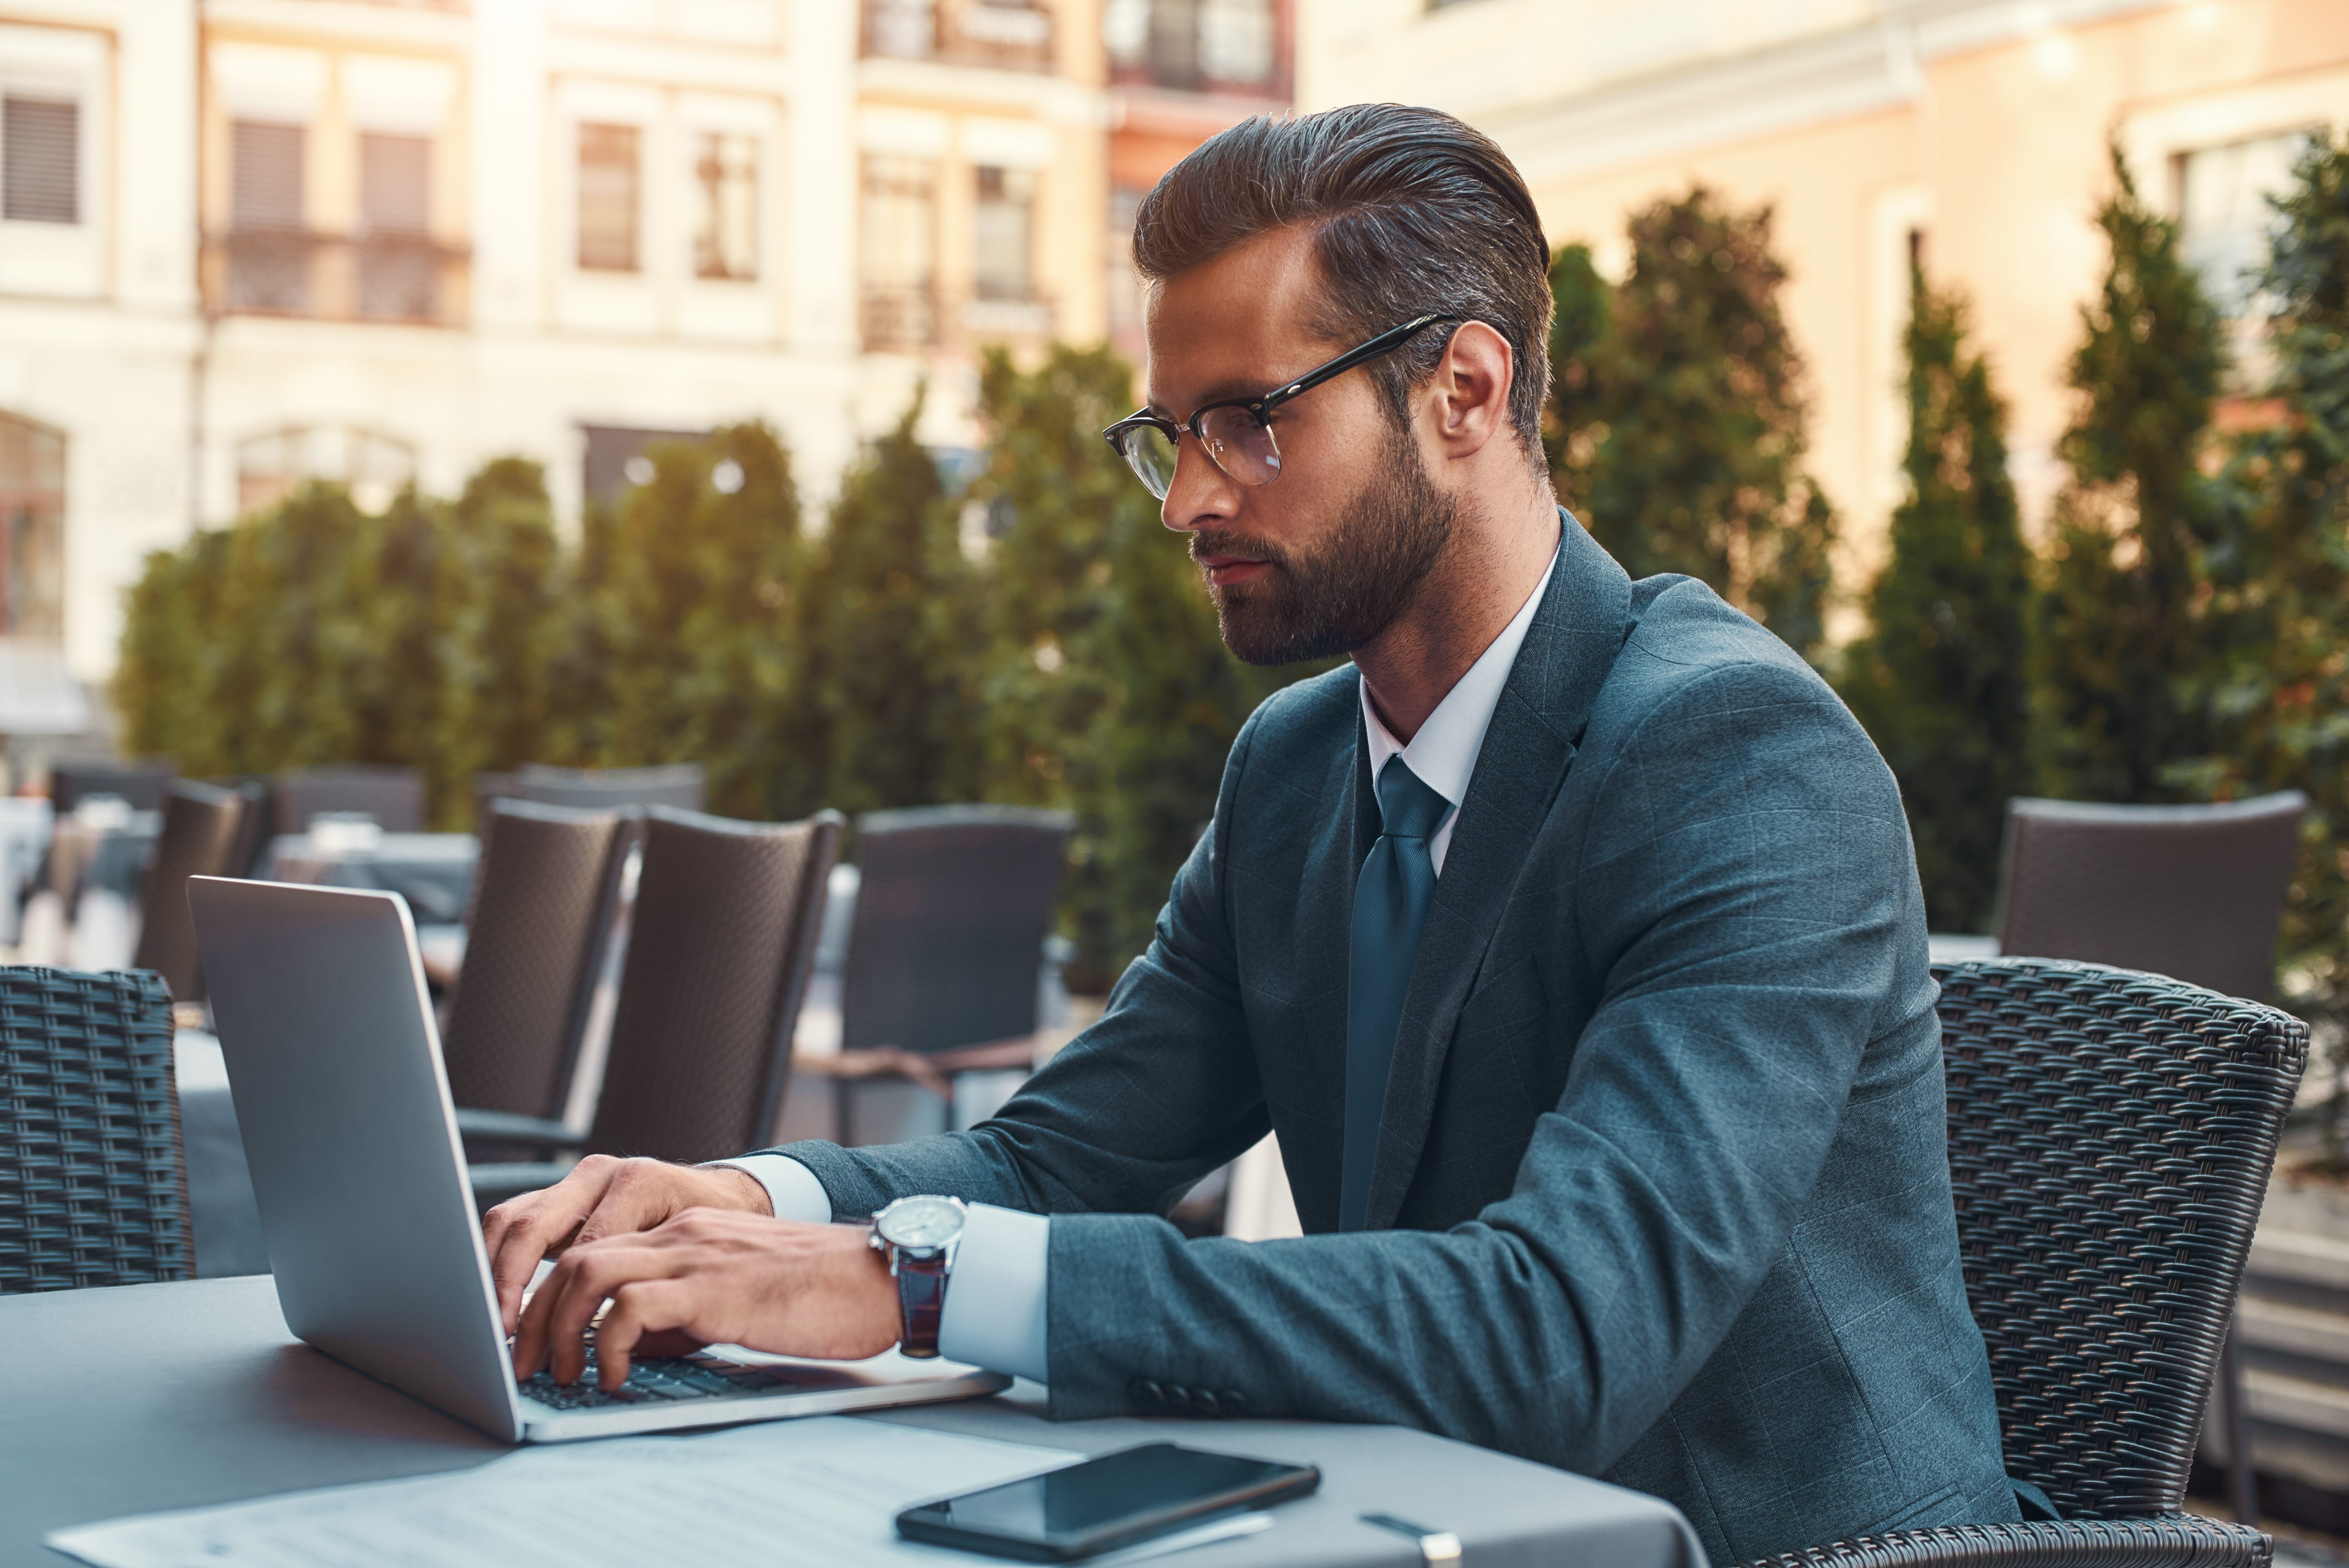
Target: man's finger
x: 638, y: 1310
x: 533, y: 1227
x: 594, y: 1274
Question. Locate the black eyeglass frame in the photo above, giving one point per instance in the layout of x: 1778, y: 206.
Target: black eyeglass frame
x: 1260, y: 408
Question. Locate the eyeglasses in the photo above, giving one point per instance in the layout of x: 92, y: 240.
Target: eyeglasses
x: 1236, y: 434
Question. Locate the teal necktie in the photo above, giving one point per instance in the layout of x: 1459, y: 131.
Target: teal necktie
x: 1390, y: 898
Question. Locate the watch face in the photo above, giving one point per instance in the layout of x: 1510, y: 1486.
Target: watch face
x: 920, y: 1221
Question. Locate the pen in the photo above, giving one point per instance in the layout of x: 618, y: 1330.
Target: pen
x: 1435, y: 1545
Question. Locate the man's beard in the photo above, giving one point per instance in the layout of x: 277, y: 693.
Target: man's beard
x: 1364, y: 576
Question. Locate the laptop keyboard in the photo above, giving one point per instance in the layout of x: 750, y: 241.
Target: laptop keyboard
x: 654, y: 1380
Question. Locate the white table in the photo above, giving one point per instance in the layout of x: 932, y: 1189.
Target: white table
x: 175, y: 1395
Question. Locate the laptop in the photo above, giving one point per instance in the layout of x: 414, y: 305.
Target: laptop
x: 334, y: 1064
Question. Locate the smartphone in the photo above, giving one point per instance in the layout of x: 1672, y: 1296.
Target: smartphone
x: 1114, y: 1501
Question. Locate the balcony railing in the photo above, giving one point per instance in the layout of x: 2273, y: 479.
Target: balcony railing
x: 337, y: 277
x: 986, y: 33
x: 913, y: 319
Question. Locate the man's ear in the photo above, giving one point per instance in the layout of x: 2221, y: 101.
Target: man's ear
x: 1469, y: 389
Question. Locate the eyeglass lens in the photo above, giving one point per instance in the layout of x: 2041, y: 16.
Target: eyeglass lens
x: 1234, y: 441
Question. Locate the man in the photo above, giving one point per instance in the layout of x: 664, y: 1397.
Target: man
x: 1570, y: 938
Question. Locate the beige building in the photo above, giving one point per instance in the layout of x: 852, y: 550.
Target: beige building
x: 1974, y: 130
x: 248, y: 242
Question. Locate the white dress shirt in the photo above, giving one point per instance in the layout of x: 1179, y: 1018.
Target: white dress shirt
x: 994, y: 1312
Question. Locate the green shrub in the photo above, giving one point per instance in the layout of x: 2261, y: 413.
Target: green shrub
x: 1941, y: 681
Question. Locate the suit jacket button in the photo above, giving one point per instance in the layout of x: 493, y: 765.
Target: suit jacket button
x: 1143, y: 1388
x: 1179, y: 1396
x: 1206, y: 1404
x: 1234, y: 1403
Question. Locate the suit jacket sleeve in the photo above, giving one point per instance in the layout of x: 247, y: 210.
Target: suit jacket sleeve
x: 1741, y: 884
x: 1126, y: 1117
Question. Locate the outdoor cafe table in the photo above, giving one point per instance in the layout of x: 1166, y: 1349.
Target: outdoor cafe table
x: 152, y: 1396
x: 434, y: 872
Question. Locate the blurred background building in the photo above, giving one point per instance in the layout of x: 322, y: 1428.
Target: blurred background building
x: 247, y: 242
x: 1972, y: 132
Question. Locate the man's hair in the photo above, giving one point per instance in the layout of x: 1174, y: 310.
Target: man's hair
x: 1412, y: 213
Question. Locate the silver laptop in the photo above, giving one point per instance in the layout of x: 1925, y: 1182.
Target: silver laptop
x: 335, y: 1068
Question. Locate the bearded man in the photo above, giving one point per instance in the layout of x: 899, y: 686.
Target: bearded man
x: 1570, y: 938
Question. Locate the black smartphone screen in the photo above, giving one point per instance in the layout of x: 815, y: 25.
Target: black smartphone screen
x: 1113, y: 1501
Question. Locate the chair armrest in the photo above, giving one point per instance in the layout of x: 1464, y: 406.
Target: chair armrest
x: 2166, y: 1541
x: 878, y: 1063
x: 506, y: 1126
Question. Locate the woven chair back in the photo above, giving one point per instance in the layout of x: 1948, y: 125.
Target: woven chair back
x: 92, y: 1189
x: 543, y: 896
x: 140, y: 783
x: 201, y: 832
x: 720, y: 943
x: 679, y: 785
x: 2190, y: 891
x: 2110, y: 1139
x: 953, y: 905
x: 394, y: 796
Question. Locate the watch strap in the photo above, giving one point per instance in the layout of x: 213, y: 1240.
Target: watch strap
x: 921, y: 1301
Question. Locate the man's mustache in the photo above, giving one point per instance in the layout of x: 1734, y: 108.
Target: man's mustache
x: 1207, y: 545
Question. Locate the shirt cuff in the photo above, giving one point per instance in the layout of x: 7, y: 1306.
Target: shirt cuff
x: 791, y: 1187
x: 994, y: 1315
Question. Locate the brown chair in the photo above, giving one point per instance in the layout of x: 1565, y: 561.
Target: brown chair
x: 199, y: 840
x: 140, y: 784
x: 394, y: 796
x: 722, y: 940
x: 545, y: 894
x: 2190, y: 891
x: 2110, y: 1136
x: 2194, y: 892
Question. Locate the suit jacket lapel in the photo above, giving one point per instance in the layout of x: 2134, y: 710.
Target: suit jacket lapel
x: 1584, y: 617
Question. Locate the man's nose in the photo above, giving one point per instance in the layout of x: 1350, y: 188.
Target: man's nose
x: 1201, y: 494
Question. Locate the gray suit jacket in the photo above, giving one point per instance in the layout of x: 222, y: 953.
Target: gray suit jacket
x: 1661, y: 1192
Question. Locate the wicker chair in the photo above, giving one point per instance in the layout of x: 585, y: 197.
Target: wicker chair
x: 679, y: 785
x: 2110, y: 1137
x: 953, y: 906
x: 722, y: 941
x: 200, y: 839
x: 92, y: 1191
x: 545, y: 894
x: 394, y: 796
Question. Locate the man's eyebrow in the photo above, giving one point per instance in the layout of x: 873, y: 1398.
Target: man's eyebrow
x: 1242, y: 390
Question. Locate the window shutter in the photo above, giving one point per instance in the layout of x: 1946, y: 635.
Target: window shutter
x: 265, y: 176
x: 607, y: 198
x: 395, y: 184
x: 40, y: 160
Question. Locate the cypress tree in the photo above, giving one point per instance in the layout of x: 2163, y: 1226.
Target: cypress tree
x: 506, y: 621
x: 2276, y: 694
x: 1941, y: 681
x: 891, y: 579
x: 2119, y: 645
x: 1677, y: 419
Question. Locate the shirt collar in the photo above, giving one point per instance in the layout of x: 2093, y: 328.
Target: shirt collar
x: 1444, y: 753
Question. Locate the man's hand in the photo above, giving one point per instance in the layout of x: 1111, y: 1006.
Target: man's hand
x: 603, y: 1197
x: 716, y: 1277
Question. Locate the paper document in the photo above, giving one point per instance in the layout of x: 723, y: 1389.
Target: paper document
x: 808, y: 1493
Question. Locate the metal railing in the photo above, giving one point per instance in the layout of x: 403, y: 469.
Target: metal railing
x: 339, y: 278
x: 992, y: 33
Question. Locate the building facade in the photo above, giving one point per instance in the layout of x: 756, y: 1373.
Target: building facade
x: 1970, y: 132
x: 245, y: 244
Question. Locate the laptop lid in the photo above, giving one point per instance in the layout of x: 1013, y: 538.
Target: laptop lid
x: 335, y: 1069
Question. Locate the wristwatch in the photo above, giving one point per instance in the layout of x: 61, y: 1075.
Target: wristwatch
x: 918, y: 1236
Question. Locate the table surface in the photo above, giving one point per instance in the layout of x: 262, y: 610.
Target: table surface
x: 175, y: 1395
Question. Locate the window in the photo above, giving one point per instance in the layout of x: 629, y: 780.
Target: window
x: 1235, y: 41
x: 607, y: 198
x: 40, y: 160
x: 1003, y: 231
x: 374, y: 466
x: 269, y: 245
x: 725, y: 223
x: 398, y: 265
x: 899, y: 252
x: 32, y: 528
x: 2223, y: 215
